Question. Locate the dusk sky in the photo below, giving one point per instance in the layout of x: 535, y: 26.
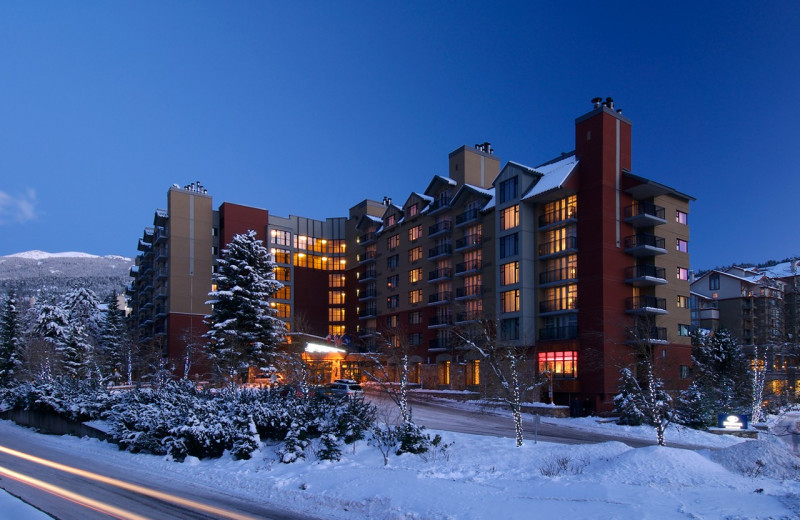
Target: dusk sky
x: 307, y: 108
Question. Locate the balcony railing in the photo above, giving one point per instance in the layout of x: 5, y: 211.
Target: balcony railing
x: 367, y: 294
x: 468, y: 267
x: 645, y: 275
x: 645, y: 244
x: 558, y: 217
x: 468, y: 241
x: 440, y: 321
x: 440, y: 343
x: 473, y: 291
x: 468, y: 216
x: 438, y: 204
x: 440, y: 250
x: 562, y: 304
x: 438, y: 298
x: 558, y: 275
x: 642, y: 214
x: 646, y: 304
x: 367, y: 331
x: 444, y: 226
x: 367, y: 256
x: 553, y: 333
x: 440, y: 274
x: 368, y: 312
x: 560, y: 246
x: 464, y: 317
x: 369, y: 274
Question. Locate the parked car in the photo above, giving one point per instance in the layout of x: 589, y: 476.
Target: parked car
x: 345, y: 388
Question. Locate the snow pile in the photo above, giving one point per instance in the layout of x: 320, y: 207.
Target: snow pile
x: 759, y: 458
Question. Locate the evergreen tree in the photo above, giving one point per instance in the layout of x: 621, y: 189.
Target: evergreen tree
x: 52, y: 327
x: 85, y: 318
x: 111, y: 345
x: 243, y: 328
x: 10, y: 343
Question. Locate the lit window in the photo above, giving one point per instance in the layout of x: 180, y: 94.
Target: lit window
x: 336, y: 314
x: 683, y: 273
x: 444, y: 373
x: 281, y: 238
x: 283, y: 293
x: 683, y: 330
x: 393, y: 241
x: 473, y: 372
x: 682, y: 245
x: 415, y: 233
x: 563, y: 365
x: 335, y: 280
x: 509, y: 217
x: 415, y: 275
x: 509, y: 273
x: 282, y: 309
x: 681, y: 217
x: 415, y: 254
x: 509, y: 301
x: 413, y: 210
x: 683, y: 302
x: 415, y: 296
x: 336, y: 297
x: 390, y: 220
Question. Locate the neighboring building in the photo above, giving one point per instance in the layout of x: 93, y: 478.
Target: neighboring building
x: 567, y: 258
x: 759, y: 307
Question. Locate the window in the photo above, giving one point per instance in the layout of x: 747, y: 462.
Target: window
x: 559, y: 210
x: 214, y: 250
x: 681, y: 217
x: 560, y: 269
x: 683, y: 302
x: 390, y: 220
x: 393, y: 281
x: 283, y: 293
x: 563, y: 365
x: 393, y: 301
x: 282, y: 309
x: 415, y: 233
x: 683, y: 330
x: 509, y: 301
x: 393, y: 241
x: 391, y: 321
x: 684, y: 372
x: 509, y: 329
x: 415, y: 318
x: 444, y: 373
x: 415, y: 275
x: 392, y: 262
x: 336, y: 330
x: 508, y: 190
x: 563, y: 298
x: 335, y: 297
x: 509, y: 217
x: 281, y: 256
x: 683, y: 273
x: 415, y: 254
x: 713, y: 281
x: 509, y: 273
x: 473, y: 372
x: 509, y: 246
x: 335, y: 314
x: 282, y: 274
x: 682, y: 245
x: 281, y: 238
x: 415, y: 339
x: 335, y: 280
x: 413, y: 210
x: 415, y: 296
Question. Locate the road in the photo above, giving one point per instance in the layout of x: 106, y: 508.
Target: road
x: 69, y: 486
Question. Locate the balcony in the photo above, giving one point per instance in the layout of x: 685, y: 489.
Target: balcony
x: 440, y: 344
x: 559, y: 247
x: 467, y: 317
x: 438, y: 322
x: 645, y: 244
x: 646, y: 305
x: 366, y: 332
x: 440, y: 274
x: 557, y: 333
x: 367, y: 256
x: 560, y: 305
x: 471, y: 215
x: 162, y: 272
x: 439, y: 204
x: 645, y: 275
x: 160, y: 235
x: 445, y: 226
x: 368, y: 312
x: 655, y: 335
x: 473, y: 291
x: 369, y: 274
x: 558, y: 217
x: 440, y: 250
x: 645, y: 214
x: 366, y: 238
x: 440, y: 298
x: 468, y: 242
x: 558, y: 276
x: 470, y: 267
x: 367, y: 294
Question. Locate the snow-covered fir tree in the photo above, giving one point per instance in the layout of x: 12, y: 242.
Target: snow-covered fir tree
x: 85, y: 322
x: 10, y: 340
x: 51, y: 327
x: 112, y: 341
x: 243, y: 327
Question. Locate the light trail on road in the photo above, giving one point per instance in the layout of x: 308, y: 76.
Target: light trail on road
x: 166, y: 497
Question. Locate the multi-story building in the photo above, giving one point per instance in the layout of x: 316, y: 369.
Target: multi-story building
x: 759, y: 308
x: 566, y: 258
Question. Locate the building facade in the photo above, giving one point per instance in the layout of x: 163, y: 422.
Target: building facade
x: 572, y: 260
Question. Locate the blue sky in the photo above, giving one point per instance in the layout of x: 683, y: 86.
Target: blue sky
x: 309, y: 107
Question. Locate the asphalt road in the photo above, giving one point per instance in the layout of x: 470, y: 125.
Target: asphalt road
x: 124, y: 492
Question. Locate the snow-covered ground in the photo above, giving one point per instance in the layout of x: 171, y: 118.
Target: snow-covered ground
x: 488, y: 477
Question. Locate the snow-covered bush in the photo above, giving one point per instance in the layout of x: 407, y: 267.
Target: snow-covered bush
x: 74, y: 399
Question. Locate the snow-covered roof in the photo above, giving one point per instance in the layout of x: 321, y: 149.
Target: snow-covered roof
x: 162, y: 213
x: 553, y: 174
x: 782, y: 270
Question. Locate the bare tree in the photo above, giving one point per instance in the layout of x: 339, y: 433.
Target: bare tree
x: 393, y: 352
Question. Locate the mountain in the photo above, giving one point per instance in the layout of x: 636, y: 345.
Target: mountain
x: 39, y: 274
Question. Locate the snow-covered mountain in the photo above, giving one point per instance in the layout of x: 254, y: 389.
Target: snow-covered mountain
x: 37, y: 273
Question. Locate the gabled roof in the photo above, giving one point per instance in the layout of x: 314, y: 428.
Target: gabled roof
x: 554, y: 174
x: 438, y: 179
x: 368, y: 219
x: 466, y: 189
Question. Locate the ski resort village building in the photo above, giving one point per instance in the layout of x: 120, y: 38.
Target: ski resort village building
x: 574, y: 261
